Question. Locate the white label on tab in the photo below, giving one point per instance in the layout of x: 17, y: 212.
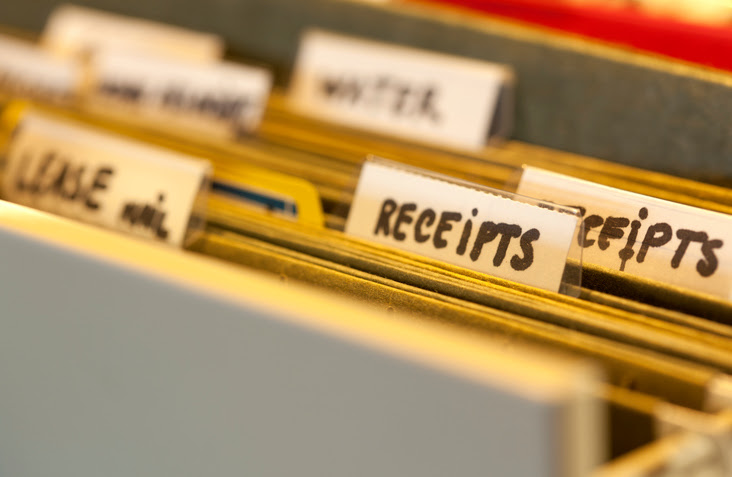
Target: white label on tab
x: 461, y: 225
x: 644, y: 236
x: 419, y: 95
x: 27, y: 71
x: 76, y: 31
x: 222, y: 100
x: 96, y: 177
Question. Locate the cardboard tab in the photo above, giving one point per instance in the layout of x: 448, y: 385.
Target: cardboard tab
x: 100, y: 178
x: 643, y: 236
x: 414, y: 94
x: 222, y: 100
x: 29, y: 72
x: 77, y: 32
x: 462, y: 224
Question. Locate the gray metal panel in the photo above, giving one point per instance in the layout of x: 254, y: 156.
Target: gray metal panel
x: 571, y: 94
x: 107, y: 370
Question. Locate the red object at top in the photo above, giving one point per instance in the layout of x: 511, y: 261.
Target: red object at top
x: 702, y: 44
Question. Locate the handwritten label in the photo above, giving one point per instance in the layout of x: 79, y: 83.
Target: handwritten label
x: 223, y: 100
x: 78, y: 32
x: 644, y: 236
x: 410, y: 93
x: 96, y: 177
x: 461, y: 225
x: 27, y: 71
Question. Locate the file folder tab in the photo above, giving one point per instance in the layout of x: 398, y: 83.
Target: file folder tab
x: 29, y: 72
x: 462, y: 223
x: 81, y: 173
x: 220, y: 100
x: 414, y: 94
x: 236, y: 189
x: 644, y: 236
x: 77, y: 32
